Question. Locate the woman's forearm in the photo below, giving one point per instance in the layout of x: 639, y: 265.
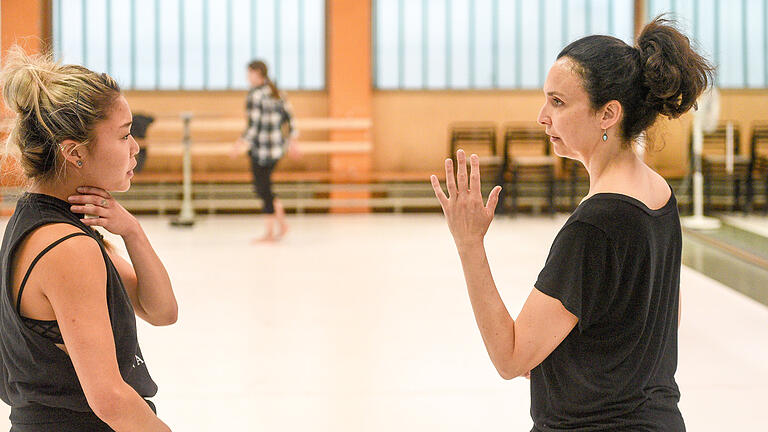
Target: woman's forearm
x: 153, y: 285
x: 496, y: 325
x: 126, y: 411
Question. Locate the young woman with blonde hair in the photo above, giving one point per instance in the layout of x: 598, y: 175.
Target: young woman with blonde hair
x: 69, y: 355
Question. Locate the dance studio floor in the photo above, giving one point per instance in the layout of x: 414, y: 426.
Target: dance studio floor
x: 362, y: 323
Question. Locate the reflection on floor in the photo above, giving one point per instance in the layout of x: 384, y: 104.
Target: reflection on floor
x: 736, y: 254
x: 362, y: 323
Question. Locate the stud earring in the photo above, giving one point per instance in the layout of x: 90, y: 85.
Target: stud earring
x: 605, y: 135
x: 79, y: 164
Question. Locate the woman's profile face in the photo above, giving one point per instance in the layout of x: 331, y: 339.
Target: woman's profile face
x: 111, y: 156
x: 255, y: 78
x: 570, y: 121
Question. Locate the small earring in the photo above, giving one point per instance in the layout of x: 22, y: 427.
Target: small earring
x: 79, y: 164
x: 605, y: 135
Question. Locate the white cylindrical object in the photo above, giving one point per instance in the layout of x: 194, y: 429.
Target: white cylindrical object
x: 187, y: 213
x: 698, y: 194
x: 698, y: 221
x: 729, y: 148
x: 698, y: 180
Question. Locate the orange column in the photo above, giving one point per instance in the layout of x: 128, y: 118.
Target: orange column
x: 349, y: 87
x: 26, y: 23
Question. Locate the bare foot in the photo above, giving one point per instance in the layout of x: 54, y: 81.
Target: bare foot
x: 282, y: 232
x: 267, y: 238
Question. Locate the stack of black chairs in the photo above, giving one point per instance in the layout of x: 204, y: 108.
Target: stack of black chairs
x: 479, y: 139
x: 759, y: 159
x: 717, y: 179
x: 527, y: 158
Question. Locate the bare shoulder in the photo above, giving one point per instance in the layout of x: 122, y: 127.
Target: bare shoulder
x: 77, y: 254
x: 661, y: 189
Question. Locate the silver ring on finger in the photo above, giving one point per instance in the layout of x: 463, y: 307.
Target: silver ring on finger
x: 103, y: 203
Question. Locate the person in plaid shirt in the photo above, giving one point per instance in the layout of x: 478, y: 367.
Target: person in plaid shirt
x: 268, y: 112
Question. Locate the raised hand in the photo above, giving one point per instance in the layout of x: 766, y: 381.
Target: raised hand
x: 110, y: 214
x: 238, y: 148
x: 468, y: 219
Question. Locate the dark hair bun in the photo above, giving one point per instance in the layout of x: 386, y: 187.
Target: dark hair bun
x: 673, y: 72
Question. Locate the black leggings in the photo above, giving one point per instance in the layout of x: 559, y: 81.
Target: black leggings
x: 262, y: 183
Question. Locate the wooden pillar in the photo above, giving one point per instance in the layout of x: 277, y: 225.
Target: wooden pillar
x: 350, y: 92
x: 640, y: 12
x: 28, y: 24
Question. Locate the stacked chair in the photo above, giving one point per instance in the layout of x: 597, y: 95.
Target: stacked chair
x: 717, y: 178
x: 480, y: 139
x: 527, y: 159
x: 576, y: 174
x: 759, y: 167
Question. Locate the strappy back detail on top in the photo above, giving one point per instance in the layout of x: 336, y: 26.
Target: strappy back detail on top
x: 48, y: 329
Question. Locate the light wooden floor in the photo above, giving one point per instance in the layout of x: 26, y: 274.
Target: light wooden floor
x: 362, y: 323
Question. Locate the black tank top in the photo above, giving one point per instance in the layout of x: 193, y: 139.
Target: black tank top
x: 37, y: 378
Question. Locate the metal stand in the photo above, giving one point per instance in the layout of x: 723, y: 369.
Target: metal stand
x: 698, y: 221
x: 187, y: 215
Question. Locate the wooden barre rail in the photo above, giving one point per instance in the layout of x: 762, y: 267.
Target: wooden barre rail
x: 229, y: 124
x: 224, y: 148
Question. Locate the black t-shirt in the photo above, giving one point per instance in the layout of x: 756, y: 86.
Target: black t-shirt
x: 615, y: 264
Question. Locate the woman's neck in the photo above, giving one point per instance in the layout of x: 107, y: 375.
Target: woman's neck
x: 617, y: 169
x: 61, y: 190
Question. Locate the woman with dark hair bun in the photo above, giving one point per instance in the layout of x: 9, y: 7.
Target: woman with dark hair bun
x: 598, y: 333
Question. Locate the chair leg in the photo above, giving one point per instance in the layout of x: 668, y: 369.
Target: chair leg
x: 765, y: 192
x: 749, y: 193
x: 573, y: 188
x: 514, y: 191
x: 551, y: 173
x: 707, y: 191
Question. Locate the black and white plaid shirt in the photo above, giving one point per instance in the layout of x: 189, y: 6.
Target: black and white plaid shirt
x: 265, y: 118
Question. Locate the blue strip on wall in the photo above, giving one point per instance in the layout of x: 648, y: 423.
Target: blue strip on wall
x: 564, y: 24
x: 696, y: 25
x: 254, y: 10
x: 649, y: 12
x: 472, y: 63
x: 133, y: 43
x: 518, y: 44
x: 588, y: 16
x: 611, y: 26
x: 744, y: 47
x: 158, y: 63
x: 57, y: 30
x: 495, y: 41
x: 424, y: 43
x: 542, y: 46
x: 717, y: 39
x: 278, y: 41
x: 229, y: 31
x: 448, y: 43
x: 110, y: 66
x: 205, y: 44
x: 400, y: 43
x: 84, y: 32
x: 182, y: 60
x: 301, y: 45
